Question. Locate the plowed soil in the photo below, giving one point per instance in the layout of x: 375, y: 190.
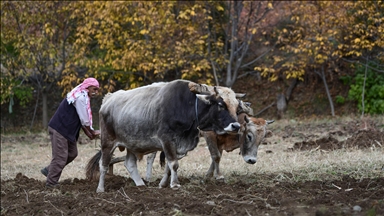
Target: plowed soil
x: 250, y: 194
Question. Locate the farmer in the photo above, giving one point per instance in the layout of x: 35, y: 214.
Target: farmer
x: 74, y: 112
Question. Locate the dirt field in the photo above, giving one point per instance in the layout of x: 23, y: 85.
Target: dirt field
x: 306, y: 168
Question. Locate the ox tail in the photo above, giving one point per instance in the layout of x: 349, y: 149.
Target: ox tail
x: 93, y: 168
x: 162, y: 159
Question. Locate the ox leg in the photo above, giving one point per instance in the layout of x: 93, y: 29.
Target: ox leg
x: 131, y: 164
x: 173, y: 166
x: 164, y: 180
x: 170, y: 170
x: 214, y: 169
x: 103, y: 164
x: 217, y: 174
x: 150, y: 160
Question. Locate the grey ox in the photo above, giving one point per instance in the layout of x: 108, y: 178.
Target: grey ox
x: 161, y: 117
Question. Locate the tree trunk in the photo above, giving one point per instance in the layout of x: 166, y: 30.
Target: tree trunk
x: 363, y: 92
x: 45, y: 110
x: 327, y: 90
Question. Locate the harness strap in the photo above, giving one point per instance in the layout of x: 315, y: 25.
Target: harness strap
x: 197, y: 117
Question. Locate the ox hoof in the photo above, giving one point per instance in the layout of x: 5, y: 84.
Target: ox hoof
x: 162, y: 185
x: 100, y: 190
x: 220, y: 178
x: 175, y: 186
x: 141, y: 185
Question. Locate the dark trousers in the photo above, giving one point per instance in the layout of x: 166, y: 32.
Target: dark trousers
x: 63, y: 153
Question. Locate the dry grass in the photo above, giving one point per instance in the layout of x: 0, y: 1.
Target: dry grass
x: 29, y: 156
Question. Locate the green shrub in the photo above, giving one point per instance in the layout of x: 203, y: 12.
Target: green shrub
x: 373, y: 93
x: 340, y: 99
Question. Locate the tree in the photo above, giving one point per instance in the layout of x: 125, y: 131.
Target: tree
x: 363, y: 35
x: 320, y: 34
x: 142, y: 42
x: 38, y: 33
x: 231, y: 37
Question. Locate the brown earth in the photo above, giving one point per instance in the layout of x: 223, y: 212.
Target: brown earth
x: 251, y: 194
x: 78, y: 197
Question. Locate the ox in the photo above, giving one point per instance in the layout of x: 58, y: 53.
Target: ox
x: 254, y: 130
x: 252, y: 133
x: 161, y: 117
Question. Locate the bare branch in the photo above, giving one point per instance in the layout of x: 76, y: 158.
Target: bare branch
x: 375, y: 69
x: 258, y: 58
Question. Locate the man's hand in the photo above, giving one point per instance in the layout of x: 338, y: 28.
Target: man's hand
x: 91, y: 134
x: 96, y: 134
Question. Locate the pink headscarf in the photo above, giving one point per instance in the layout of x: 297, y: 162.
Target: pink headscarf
x: 81, y: 89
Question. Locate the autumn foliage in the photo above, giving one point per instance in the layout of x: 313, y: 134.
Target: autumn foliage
x: 126, y: 44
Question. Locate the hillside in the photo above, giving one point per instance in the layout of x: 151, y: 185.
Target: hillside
x: 308, y: 98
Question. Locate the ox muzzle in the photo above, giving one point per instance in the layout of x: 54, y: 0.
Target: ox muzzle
x: 232, y: 128
x: 250, y: 160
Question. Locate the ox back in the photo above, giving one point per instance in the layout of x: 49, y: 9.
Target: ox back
x: 161, y: 117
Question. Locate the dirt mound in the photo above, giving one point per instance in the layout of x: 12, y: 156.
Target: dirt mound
x: 361, y: 139
x: 249, y: 195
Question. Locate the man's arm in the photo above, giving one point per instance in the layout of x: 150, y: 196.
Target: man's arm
x: 81, y: 108
x: 92, y: 134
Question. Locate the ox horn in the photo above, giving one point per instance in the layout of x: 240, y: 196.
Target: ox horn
x: 199, y: 88
x: 270, y: 121
x: 240, y: 95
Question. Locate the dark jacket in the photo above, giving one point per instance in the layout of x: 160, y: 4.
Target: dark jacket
x: 66, y: 121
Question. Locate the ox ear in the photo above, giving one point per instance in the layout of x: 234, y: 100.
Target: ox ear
x: 199, y: 88
x: 244, y: 108
x: 268, y: 133
x: 240, y: 95
x: 270, y: 121
x: 204, y: 98
x: 246, y: 119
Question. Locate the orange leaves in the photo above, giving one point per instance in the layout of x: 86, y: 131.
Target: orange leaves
x: 321, y: 32
x: 146, y: 37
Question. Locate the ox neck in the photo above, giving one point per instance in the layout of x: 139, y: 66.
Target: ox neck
x: 197, y: 114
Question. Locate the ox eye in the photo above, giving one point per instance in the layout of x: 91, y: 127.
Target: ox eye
x: 221, y: 105
x: 249, y: 137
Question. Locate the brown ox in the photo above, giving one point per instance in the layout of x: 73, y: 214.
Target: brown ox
x: 253, y: 131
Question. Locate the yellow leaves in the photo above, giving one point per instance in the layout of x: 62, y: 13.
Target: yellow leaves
x: 353, y: 52
x: 270, y: 6
x: 321, y: 58
x: 336, y: 53
x: 219, y: 8
x: 144, y: 31
x: 296, y: 73
x: 184, y: 75
x: 273, y: 77
x: 357, y: 40
x: 48, y: 29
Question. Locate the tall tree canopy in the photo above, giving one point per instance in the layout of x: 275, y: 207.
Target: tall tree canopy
x: 135, y: 42
x: 35, y: 40
x: 318, y: 35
